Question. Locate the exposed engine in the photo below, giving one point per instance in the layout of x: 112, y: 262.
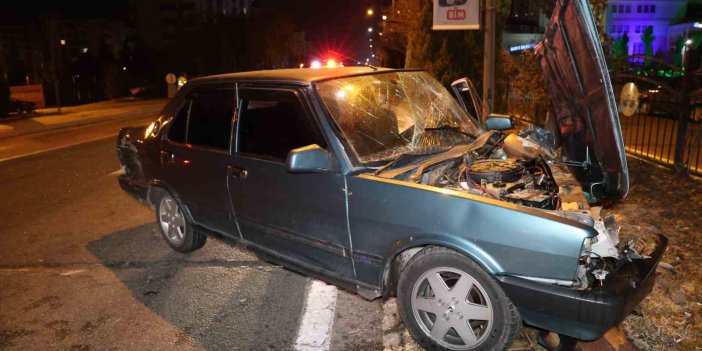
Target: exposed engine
x: 513, y: 169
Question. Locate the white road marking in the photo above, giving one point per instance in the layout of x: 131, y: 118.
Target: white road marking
x: 57, y: 148
x: 315, y: 331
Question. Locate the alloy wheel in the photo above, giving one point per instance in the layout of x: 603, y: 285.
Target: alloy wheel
x: 452, y: 308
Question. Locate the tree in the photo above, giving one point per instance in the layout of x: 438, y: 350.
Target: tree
x: 449, y: 55
x: 599, y: 12
x: 4, y: 93
x: 620, y: 47
x: 647, y: 38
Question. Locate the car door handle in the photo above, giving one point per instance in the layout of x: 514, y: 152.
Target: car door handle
x: 237, y: 172
x: 167, y: 156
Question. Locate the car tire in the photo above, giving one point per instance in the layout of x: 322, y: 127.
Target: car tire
x: 477, y: 316
x: 176, y: 229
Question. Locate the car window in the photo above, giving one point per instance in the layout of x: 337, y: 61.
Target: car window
x: 179, y: 127
x: 210, y: 119
x: 271, y: 123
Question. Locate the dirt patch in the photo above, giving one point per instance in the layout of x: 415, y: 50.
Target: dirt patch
x: 670, y: 318
x: 7, y: 335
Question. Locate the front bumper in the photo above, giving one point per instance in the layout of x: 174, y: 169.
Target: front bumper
x: 585, y: 314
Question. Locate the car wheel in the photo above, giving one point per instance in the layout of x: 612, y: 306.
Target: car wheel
x: 448, y: 302
x: 175, y: 227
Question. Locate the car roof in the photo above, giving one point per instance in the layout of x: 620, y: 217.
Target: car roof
x: 297, y: 76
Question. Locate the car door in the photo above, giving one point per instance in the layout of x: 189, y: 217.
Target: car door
x: 195, y: 155
x: 301, y: 215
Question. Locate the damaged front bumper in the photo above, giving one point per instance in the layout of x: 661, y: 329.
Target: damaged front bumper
x: 585, y: 314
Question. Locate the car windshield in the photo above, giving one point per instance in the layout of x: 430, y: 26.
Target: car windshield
x: 385, y: 115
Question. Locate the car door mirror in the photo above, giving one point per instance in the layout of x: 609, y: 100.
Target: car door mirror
x: 308, y: 159
x: 499, y: 122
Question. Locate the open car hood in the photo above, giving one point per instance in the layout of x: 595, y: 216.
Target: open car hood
x: 586, y: 118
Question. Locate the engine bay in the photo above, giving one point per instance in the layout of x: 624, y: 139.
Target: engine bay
x: 509, y: 168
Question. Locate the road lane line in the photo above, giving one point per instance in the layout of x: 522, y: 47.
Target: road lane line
x: 315, y: 331
x: 58, y: 147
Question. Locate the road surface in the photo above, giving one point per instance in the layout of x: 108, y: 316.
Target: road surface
x: 82, y: 267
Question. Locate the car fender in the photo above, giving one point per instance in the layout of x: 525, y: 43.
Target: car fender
x: 459, y: 244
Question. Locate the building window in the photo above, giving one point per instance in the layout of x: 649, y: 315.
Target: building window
x: 612, y: 28
x: 653, y: 8
x: 614, y: 8
x: 625, y: 28
x: 628, y: 8
x: 621, y: 9
x: 639, y: 8
x: 638, y: 29
x: 645, y: 9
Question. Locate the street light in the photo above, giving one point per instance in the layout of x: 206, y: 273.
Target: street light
x: 63, y: 41
x: 369, y: 12
x: 385, y: 18
x: 370, y: 29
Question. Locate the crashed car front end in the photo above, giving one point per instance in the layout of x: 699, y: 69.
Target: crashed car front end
x: 403, y: 128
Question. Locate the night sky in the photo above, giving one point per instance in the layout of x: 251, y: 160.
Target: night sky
x: 330, y: 26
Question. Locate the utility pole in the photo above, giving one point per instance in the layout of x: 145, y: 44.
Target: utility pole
x: 53, y: 48
x: 489, y: 59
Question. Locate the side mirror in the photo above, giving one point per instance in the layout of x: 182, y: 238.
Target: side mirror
x: 307, y: 159
x: 499, y: 122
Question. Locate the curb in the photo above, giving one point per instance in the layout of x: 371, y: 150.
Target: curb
x: 83, y: 122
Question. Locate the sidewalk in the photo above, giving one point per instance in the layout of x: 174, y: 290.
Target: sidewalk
x: 72, y: 116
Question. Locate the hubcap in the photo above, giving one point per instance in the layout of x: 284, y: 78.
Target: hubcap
x: 452, y: 308
x: 172, y: 220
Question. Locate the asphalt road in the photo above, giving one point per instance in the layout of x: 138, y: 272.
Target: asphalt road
x: 82, y: 267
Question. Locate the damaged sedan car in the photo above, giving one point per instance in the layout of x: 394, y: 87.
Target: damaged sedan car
x: 382, y: 182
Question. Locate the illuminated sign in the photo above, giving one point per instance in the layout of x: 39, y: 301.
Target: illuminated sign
x: 521, y: 47
x: 456, y: 14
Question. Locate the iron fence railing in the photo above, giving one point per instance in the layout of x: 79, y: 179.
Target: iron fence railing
x: 653, y: 137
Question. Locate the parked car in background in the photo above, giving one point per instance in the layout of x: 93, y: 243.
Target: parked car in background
x: 380, y: 181
x: 20, y: 106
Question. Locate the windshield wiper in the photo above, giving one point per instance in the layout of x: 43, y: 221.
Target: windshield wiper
x: 413, y: 154
x: 455, y: 129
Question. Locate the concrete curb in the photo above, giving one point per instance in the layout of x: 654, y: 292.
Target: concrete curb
x: 83, y: 122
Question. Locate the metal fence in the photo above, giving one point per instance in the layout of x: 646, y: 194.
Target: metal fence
x: 647, y: 136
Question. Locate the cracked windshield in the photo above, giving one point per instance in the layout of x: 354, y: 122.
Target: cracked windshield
x: 385, y: 115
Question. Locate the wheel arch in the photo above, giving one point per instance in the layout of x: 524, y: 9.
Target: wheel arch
x: 152, y: 196
x: 403, y: 252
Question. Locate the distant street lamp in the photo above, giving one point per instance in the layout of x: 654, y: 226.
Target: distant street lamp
x: 63, y: 41
x: 369, y: 12
x: 370, y: 29
x: 385, y: 18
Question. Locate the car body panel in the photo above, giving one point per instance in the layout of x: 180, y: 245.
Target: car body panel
x: 577, y: 79
x: 388, y: 215
x: 309, y: 216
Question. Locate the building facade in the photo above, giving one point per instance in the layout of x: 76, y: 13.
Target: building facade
x: 634, y: 16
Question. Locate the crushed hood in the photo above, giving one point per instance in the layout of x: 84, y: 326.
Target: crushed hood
x: 586, y: 119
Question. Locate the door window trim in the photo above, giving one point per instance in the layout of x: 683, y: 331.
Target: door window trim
x: 189, y: 103
x: 306, y: 111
